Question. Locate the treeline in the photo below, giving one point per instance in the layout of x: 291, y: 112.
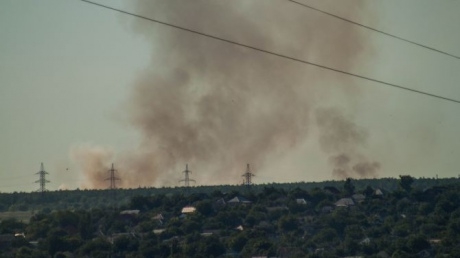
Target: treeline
x: 348, y: 219
x: 88, y: 199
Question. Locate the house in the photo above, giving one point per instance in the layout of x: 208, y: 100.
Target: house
x: 383, y: 254
x: 116, y: 236
x: 376, y: 219
x: 239, y: 200
x: 432, y: 192
x: 219, y: 203
x: 301, y: 201
x: 378, y: 193
x: 188, y: 210
x: 332, y: 190
x: 210, y: 232
x: 20, y: 235
x: 327, y: 209
x: 159, y: 218
x: 128, y: 216
x: 158, y: 231
x: 130, y: 212
x: 358, y: 198
x: 344, y: 202
x: 434, y: 241
x: 265, y: 225
x: 435, y: 190
x: 277, y: 208
x: 424, y: 254
x: 365, y: 241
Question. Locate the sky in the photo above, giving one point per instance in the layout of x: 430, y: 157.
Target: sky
x: 75, y: 84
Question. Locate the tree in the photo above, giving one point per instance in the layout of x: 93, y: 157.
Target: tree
x: 59, y: 241
x: 11, y: 226
x: 417, y: 243
x: 368, y: 192
x: 204, y: 207
x: 324, y: 236
x: 238, y: 242
x: 405, y: 182
x: 149, y: 247
x: 25, y: 252
x: 349, y: 187
x: 298, y: 193
x: 288, y: 223
x: 258, y: 247
x: 211, y: 247
x: 190, y: 226
x: 126, y: 244
x: 96, y: 246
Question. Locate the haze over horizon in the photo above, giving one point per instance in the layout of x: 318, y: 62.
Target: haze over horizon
x: 83, y: 86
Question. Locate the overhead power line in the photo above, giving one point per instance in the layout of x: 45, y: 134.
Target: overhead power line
x: 16, y: 185
x: 274, y: 53
x: 12, y: 178
x: 376, y: 30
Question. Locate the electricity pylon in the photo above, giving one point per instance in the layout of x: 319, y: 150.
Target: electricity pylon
x: 113, y: 178
x: 42, y: 180
x: 187, y: 179
x: 248, y: 177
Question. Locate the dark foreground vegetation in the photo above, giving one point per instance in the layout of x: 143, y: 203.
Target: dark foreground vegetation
x: 403, y: 217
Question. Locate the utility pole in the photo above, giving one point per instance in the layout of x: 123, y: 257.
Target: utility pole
x: 248, y: 177
x: 42, y: 181
x: 112, y: 178
x: 187, y: 179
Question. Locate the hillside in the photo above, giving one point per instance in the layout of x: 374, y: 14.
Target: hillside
x: 408, y: 218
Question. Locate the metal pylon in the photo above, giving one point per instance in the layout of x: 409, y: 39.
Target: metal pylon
x: 42, y: 179
x: 248, y: 176
x: 187, y: 178
x: 112, y: 178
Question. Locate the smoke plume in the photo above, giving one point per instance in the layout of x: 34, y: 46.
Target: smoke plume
x: 343, y: 139
x: 93, y: 162
x: 219, y: 106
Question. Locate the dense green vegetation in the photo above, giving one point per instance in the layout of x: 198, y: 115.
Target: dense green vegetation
x: 389, y: 218
x: 87, y: 199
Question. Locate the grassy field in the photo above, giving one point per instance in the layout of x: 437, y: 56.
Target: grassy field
x: 23, y: 216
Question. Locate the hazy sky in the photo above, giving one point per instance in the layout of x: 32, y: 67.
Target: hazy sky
x: 67, y: 70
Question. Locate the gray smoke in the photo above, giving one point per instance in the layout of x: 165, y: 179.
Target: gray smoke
x: 344, y: 140
x: 218, y: 106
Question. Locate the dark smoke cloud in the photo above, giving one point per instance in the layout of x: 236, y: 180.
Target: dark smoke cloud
x: 366, y: 169
x: 94, y: 162
x: 344, y: 140
x: 217, y: 106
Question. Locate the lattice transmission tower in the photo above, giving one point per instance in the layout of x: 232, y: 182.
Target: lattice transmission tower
x: 187, y: 178
x: 248, y: 177
x: 113, y: 179
x: 42, y: 179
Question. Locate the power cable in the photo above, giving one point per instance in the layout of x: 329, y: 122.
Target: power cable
x: 273, y: 53
x: 16, y: 185
x: 12, y: 178
x: 376, y: 30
